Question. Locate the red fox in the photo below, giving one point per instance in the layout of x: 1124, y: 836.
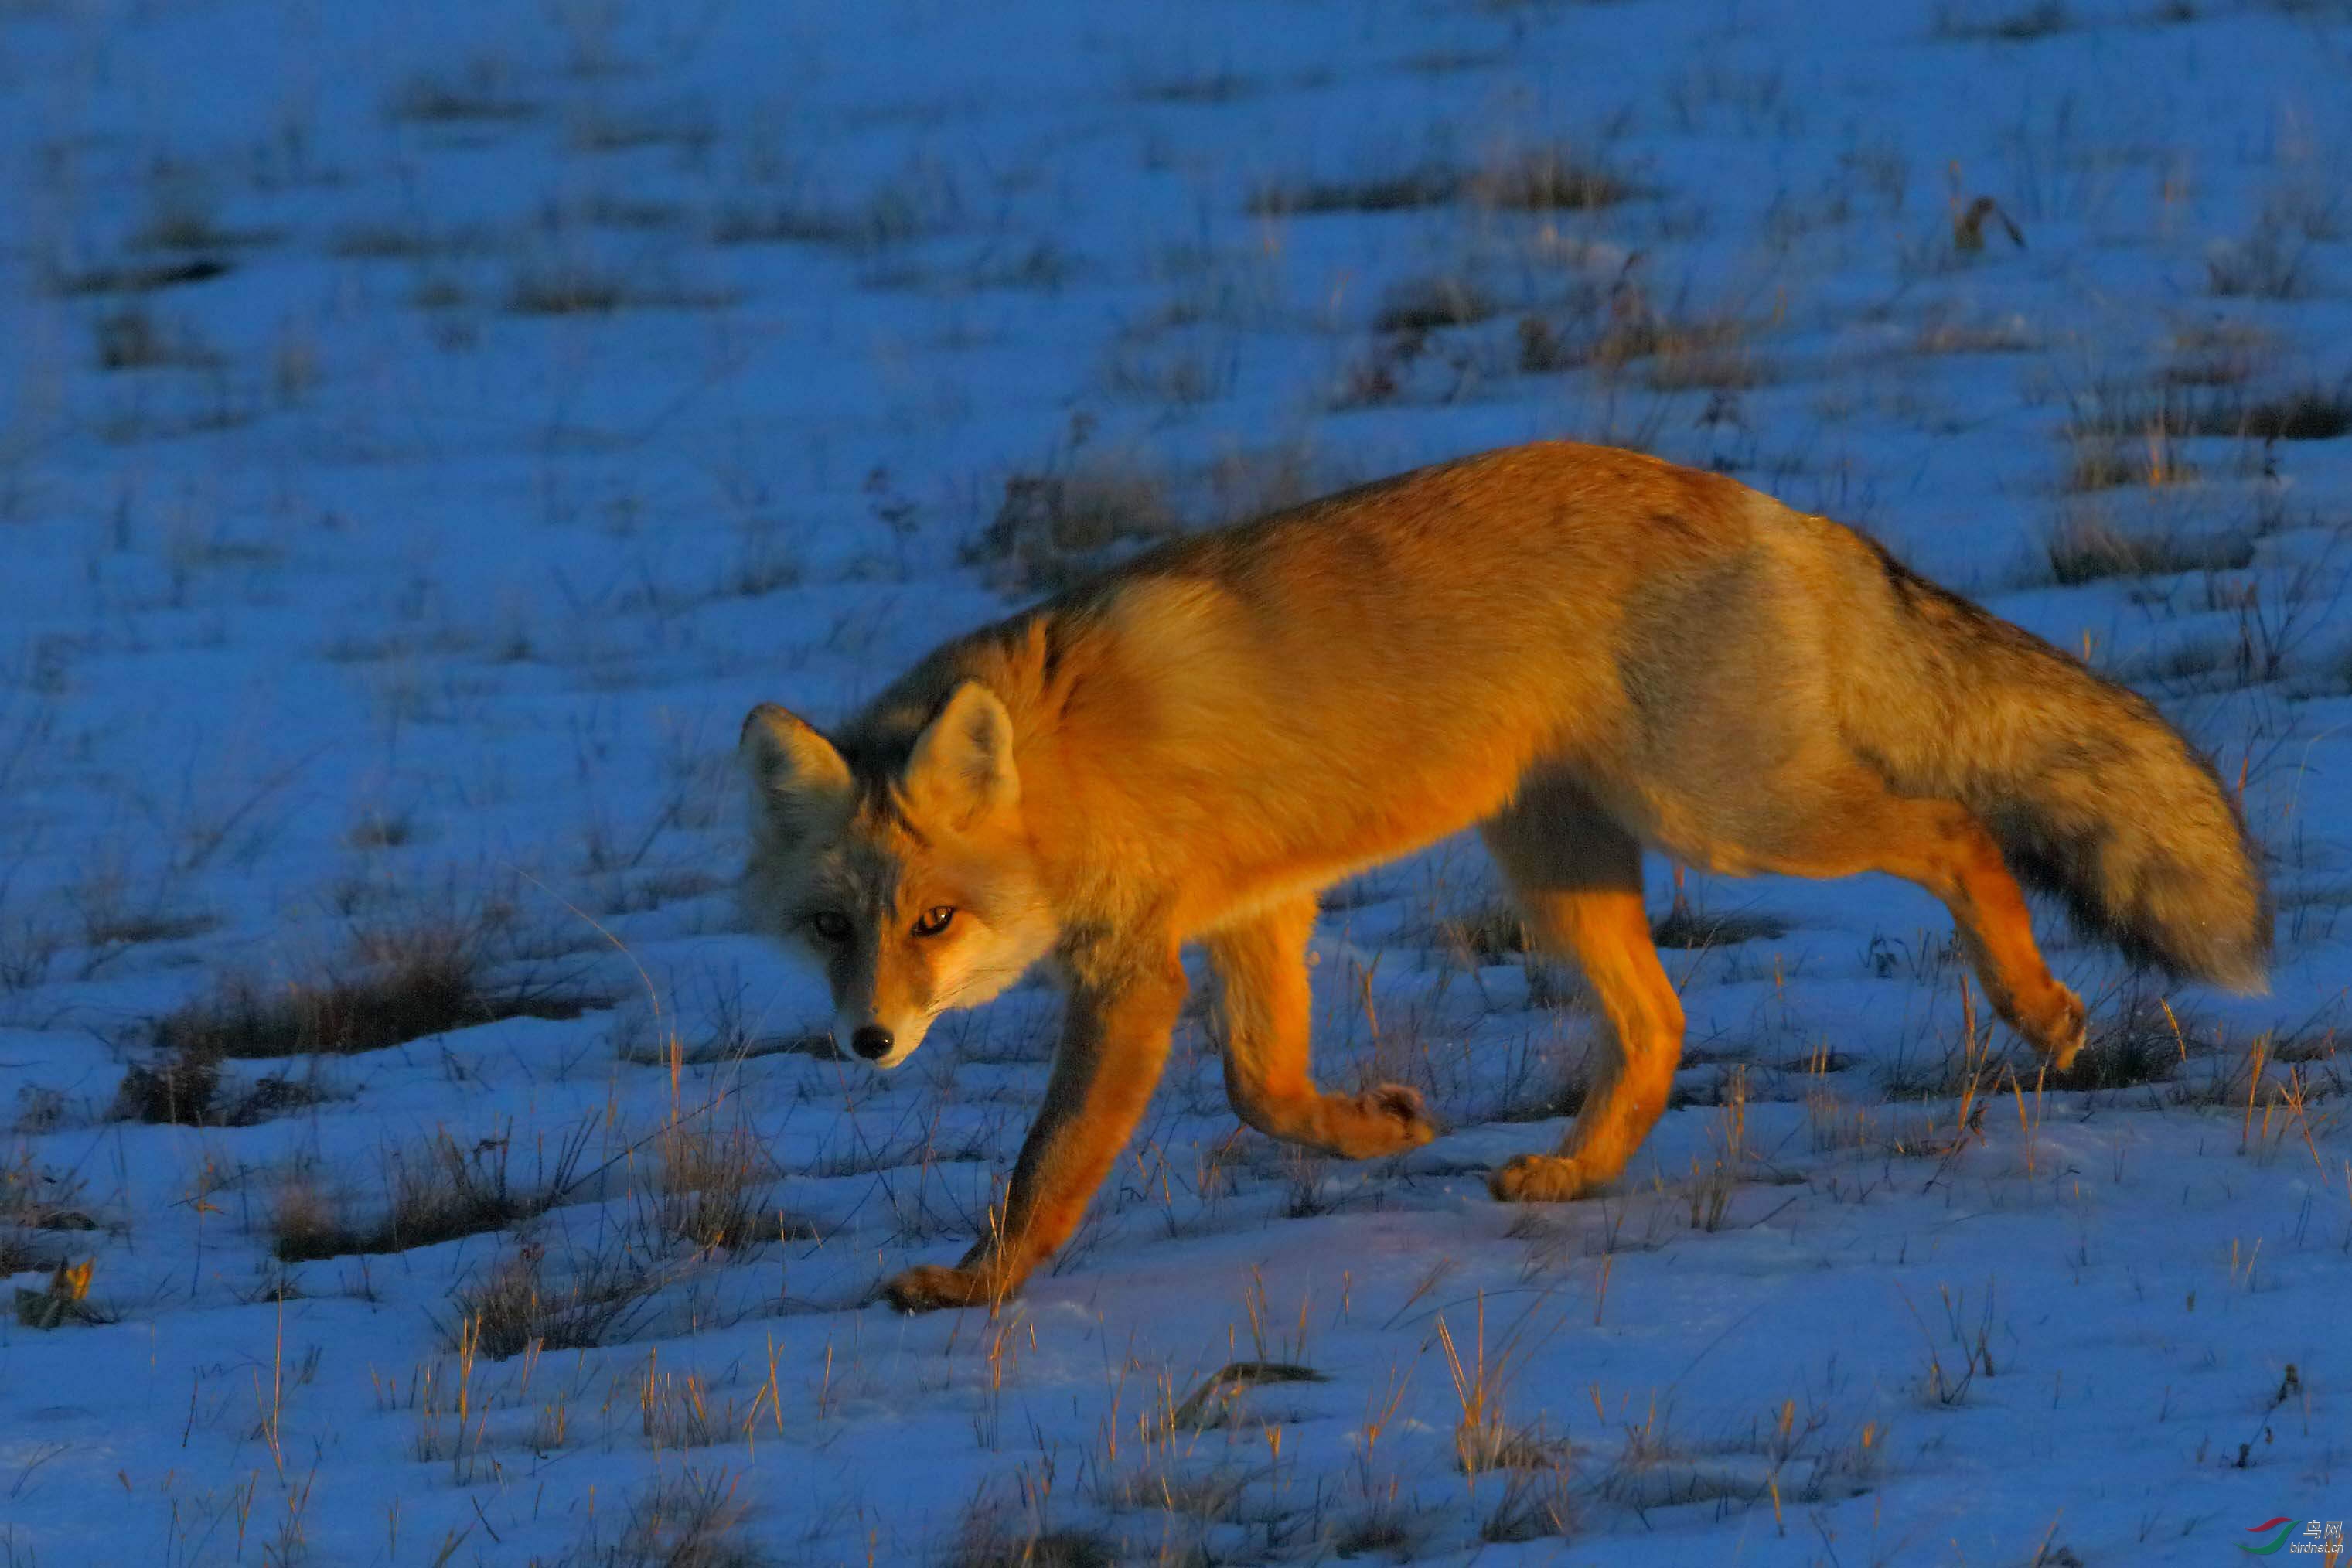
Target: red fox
x: 1579, y: 650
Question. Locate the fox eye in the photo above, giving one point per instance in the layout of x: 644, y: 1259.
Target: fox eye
x: 830, y: 924
x: 935, y: 920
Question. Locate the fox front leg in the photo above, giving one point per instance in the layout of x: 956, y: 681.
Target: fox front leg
x: 1267, y: 1006
x: 1114, y: 1043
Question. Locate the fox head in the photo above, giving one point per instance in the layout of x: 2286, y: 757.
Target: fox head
x: 908, y: 878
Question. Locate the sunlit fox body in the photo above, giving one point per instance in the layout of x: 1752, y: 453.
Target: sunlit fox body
x: 1579, y: 650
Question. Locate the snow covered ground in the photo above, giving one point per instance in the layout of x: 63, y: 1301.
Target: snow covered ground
x: 424, y: 429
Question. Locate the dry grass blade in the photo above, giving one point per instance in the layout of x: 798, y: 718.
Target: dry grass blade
x: 516, y: 1306
x: 710, y: 1182
x: 443, y: 1193
x: 1482, y: 1440
x: 1056, y: 529
x: 396, y: 988
x: 691, y: 1520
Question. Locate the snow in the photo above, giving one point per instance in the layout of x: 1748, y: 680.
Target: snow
x: 366, y: 593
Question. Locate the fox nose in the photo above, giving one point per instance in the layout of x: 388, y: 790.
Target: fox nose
x: 871, y: 1041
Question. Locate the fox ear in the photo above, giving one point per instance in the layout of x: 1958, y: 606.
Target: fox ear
x: 961, y: 769
x: 799, y: 783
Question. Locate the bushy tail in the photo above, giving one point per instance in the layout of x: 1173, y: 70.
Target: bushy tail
x: 2090, y: 793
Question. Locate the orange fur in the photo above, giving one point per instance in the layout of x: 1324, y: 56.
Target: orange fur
x: 1582, y: 650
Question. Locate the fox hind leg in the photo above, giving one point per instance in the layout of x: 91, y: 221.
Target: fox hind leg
x: 1262, y: 965
x: 1578, y: 877
x: 1966, y: 870
x: 1942, y: 847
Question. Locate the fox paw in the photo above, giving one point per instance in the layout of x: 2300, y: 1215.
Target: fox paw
x: 1541, y: 1179
x: 932, y: 1287
x: 1387, y: 1120
x: 2058, y: 1035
